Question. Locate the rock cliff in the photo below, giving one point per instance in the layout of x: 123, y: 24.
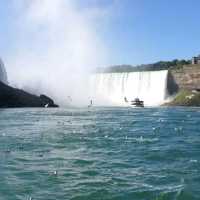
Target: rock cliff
x: 187, y: 78
x: 185, y: 83
x: 3, y: 74
x: 12, y: 97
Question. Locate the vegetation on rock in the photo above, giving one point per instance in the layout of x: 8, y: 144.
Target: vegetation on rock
x: 186, y: 98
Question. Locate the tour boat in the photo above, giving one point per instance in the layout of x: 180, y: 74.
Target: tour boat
x: 137, y: 103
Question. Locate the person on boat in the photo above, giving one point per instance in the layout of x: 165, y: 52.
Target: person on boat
x: 125, y: 99
x: 91, y: 103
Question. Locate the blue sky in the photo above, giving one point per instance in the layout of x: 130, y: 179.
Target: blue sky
x: 151, y: 30
x: 136, y: 31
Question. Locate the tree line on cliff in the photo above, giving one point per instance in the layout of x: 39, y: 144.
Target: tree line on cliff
x: 161, y: 65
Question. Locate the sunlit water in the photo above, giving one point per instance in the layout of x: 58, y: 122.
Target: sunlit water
x: 100, y: 153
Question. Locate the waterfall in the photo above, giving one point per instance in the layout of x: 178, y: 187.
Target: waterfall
x: 112, y: 88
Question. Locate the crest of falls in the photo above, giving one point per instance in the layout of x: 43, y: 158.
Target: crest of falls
x: 112, y: 88
x: 3, y: 74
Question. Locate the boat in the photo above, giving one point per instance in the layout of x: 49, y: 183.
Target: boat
x: 137, y: 103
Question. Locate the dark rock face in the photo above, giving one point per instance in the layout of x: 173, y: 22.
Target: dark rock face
x: 12, y: 98
x: 3, y: 74
x: 47, y: 101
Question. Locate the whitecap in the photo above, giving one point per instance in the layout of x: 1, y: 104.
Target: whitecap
x: 193, y: 161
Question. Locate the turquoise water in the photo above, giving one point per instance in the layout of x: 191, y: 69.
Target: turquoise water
x: 100, y: 153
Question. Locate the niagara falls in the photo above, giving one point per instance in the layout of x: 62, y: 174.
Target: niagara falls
x: 99, y: 100
x: 111, y: 88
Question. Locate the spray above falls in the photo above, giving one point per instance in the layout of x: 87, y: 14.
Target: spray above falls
x: 56, y: 47
x: 112, y: 88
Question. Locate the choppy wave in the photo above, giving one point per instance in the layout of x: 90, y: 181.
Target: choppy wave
x: 106, y: 153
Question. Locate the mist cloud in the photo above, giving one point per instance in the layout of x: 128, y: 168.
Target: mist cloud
x: 57, y: 45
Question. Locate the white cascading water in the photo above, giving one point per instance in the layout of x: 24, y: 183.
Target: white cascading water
x: 112, y: 88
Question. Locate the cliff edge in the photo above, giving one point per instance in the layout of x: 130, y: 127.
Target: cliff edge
x: 184, y: 83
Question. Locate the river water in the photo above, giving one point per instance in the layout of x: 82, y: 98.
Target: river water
x: 100, y: 153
